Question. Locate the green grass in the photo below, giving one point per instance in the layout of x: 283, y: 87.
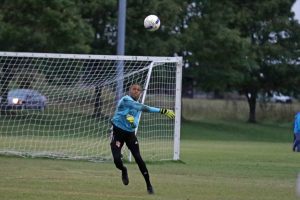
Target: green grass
x: 219, y: 160
x: 237, y: 131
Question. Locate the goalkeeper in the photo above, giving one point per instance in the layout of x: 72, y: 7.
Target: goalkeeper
x: 125, y: 121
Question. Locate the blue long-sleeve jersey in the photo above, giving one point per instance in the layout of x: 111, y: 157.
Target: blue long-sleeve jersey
x: 128, y: 106
x: 297, y: 123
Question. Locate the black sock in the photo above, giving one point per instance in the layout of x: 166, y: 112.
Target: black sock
x: 147, y: 178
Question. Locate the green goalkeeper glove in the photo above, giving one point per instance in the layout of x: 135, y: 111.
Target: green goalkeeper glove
x: 130, y: 118
x: 168, y: 113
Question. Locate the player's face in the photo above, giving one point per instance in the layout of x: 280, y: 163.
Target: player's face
x: 135, y: 91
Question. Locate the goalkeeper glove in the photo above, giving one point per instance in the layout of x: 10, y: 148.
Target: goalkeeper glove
x: 130, y: 118
x: 168, y: 113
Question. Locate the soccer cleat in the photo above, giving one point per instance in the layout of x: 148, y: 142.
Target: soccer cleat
x: 125, y: 179
x: 150, y: 190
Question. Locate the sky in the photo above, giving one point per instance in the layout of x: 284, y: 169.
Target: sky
x: 296, y: 9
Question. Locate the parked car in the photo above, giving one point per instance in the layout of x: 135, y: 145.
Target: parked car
x: 25, y: 99
x: 277, y: 97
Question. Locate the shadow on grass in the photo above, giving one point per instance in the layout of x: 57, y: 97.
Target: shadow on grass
x: 160, y: 162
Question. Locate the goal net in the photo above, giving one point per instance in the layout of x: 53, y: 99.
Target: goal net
x: 60, y: 105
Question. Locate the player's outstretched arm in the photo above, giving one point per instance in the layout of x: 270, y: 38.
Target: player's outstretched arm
x: 167, y: 112
x: 145, y: 108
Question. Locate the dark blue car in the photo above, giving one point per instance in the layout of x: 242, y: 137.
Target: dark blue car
x: 25, y: 99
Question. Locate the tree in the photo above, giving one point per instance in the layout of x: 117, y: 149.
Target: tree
x: 246, y: 46
x: 274, y: 37
x: 102, y: 17
x: 43, y: 26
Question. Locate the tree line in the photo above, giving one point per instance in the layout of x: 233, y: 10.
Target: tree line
x: 247, y: 46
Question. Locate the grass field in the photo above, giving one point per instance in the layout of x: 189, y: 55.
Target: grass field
x: 220, y: 160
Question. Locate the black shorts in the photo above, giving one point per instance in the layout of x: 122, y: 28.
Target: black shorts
x: 119, y: 137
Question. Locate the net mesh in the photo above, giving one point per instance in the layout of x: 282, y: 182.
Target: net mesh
x: 60, y: 106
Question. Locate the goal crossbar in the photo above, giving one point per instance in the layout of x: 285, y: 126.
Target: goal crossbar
x: 91, y: 56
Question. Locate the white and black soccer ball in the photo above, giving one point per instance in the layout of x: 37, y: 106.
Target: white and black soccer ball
x: 152, y: 23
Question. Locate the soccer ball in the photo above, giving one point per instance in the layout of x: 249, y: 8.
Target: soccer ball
x: 151, y: 22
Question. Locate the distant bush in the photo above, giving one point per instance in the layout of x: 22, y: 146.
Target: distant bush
x: 198, y: 109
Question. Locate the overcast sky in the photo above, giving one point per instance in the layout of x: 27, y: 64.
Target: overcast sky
x: 296, y: 9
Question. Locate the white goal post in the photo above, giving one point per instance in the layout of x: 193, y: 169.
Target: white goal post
x: 60, y: 105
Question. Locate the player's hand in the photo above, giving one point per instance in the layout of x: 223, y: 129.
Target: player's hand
x: 168, y: 113
x: 130, y: 118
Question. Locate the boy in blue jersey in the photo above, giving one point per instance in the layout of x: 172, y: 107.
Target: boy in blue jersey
x: 296, y: 145
x: 125, y: 121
